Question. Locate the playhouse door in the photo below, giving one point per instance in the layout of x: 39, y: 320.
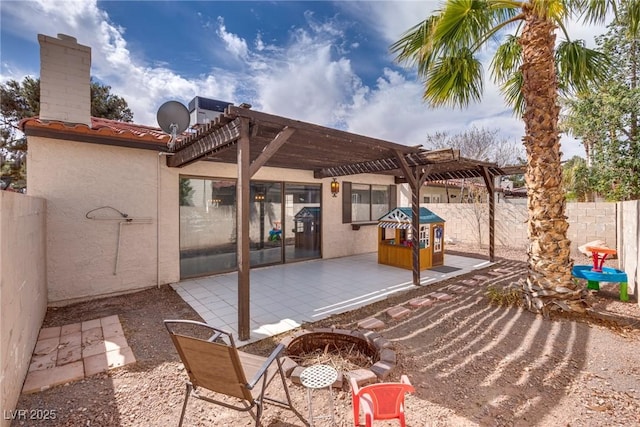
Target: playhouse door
x: 438, y: 248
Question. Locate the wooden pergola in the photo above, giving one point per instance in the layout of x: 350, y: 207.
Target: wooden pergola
x: 253, y: 139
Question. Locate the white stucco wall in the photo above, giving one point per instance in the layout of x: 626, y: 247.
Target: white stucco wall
x: 76, y: 177
x: 629, y: 243
x: 23, y: 292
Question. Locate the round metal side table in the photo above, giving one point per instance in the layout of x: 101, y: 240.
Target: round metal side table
x: 316, y: 377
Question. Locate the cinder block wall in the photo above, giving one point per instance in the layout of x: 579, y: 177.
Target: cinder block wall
x: 469, y: 223
x: 23, y: 289
x: 592, y: 221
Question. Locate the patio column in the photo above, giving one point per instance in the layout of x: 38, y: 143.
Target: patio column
x: 415, y: 177
x: 242, y: 220
x: 489, y: 183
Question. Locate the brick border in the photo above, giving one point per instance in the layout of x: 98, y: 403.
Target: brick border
x: 369, y: 341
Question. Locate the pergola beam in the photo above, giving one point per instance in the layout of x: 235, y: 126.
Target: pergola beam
x: 271, y: 149
x: 390, y: 164
x: 216, y: 140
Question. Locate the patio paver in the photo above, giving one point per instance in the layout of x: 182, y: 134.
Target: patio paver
x: 72, y: 352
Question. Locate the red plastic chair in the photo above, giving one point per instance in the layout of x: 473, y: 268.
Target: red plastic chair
x: 383, y: 401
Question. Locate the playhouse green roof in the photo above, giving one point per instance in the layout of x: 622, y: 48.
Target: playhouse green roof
x: 399, y: 214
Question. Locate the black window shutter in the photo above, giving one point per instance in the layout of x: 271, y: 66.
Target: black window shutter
x: 346, y: 202
x: 393, y: 197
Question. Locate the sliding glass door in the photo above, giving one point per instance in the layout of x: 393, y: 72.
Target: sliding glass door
x: 207, y: 226
x: 284, y: 224
x: 265, y: 229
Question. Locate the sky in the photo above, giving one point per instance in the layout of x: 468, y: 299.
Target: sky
x: 321, y: 62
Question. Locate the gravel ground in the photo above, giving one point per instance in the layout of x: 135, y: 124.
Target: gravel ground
x: 472, y: 363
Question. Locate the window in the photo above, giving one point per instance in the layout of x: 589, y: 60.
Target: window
x: 360, y: 202
x: 437, y: 238
x: 366, y: 202
x: 424, y: 236
x: 431, y: 198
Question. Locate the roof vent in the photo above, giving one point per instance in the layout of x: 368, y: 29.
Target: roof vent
x: 204, y: 110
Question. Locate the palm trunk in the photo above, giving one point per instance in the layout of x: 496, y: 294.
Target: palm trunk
x: 549, y: 283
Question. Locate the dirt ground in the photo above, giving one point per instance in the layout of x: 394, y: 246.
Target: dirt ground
x: 471, y: 362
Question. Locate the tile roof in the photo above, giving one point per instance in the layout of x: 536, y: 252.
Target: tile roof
x: 101, y: 128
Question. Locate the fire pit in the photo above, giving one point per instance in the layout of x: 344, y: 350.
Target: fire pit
x: 372, y: 354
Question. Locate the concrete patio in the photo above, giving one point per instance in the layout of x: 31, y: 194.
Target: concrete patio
x: 285, y: 296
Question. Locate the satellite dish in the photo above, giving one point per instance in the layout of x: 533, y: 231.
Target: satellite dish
x: 173, y: 118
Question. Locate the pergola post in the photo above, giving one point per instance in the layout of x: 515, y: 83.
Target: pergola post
x: 415, y: 233
x: 489, y: 183
x: 415, y: 177
x: 242, y: 221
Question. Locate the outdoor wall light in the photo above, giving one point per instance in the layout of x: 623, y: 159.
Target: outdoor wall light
x: 335, y: 188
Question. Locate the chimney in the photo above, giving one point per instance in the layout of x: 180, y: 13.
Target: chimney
x: 65, y: 88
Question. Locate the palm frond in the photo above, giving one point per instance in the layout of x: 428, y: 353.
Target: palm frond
x: 463, y: 22
x: 512, y: 91
x: 578, y: 66
x: 507, y: 59
x: 632, y: 11
x: 592, y: 11
x: 454, y: 80
x: 416, y: 46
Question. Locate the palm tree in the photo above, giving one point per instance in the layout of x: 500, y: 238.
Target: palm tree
x: 531, y: 70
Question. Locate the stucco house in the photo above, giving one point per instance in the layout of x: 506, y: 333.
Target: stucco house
x: 128, y: 208
x: 120, y: 219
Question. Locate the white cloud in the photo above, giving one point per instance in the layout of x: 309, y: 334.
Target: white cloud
x: 235, y: 45
x: 310, y: 77
x: 390, y: 18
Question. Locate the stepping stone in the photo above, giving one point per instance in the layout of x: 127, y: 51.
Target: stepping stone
x: 388, y: 355
x: 95, y: 364
x: 398, y: 312
x: 495, y: 273
x: 49, y: 333
x: 112, y: 330
x: 440, y: 296
x: 420, y: 302
x: 503, y: 270
x: 115, y: 343
x: 457, y: 289
x: 71, y: 329
x: 481, y: 277
x: 120, y: 357
x: 295, y: 374
x: 382, y: 369
x: 91, y: 324
x: 41, y: 380
x: 363, y: 376
x: 469, y: 282
x: 371, y: 323
x: 43, y: 361
x: 109, y: 320
x: 68, y: 355
x: 288, y: 365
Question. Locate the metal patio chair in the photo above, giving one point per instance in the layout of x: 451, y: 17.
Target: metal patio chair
x: 213, y: 362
